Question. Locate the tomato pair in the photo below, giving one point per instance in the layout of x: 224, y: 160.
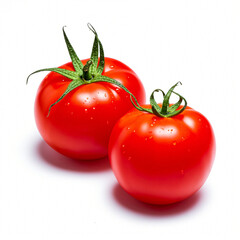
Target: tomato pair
x: 159, y: 154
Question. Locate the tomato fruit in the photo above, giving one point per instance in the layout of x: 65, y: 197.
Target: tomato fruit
x: 162, y: 159
x: 78, y: 104
x: 79, y: 126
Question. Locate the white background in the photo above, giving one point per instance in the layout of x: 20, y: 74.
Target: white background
x: 44, y: 195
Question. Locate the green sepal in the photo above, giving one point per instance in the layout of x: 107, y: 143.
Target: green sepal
x: 72, y: 85
x: 171, y: 114
x: 66, y: 73
x: 77, y: 64
x: 175, y: 106
x: 166, y: 99
x: 101, y: 61
x: 155, y: 107
x: 94, y: 54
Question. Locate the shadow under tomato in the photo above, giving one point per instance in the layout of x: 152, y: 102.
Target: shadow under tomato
x: 57, y: 160
x: 130, y: 203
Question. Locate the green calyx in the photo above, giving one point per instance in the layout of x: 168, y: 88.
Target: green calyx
x: 166, y: 110
x: 90, y: 73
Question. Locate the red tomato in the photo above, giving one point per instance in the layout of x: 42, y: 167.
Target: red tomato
x: 79, y: 125
x: 162, y: 160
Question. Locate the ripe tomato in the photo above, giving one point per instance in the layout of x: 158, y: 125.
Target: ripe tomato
x: 79, y: 125
x: 86, y: 98
x: 162, y: 160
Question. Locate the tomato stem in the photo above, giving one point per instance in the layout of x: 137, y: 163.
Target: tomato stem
x: 86, y: 73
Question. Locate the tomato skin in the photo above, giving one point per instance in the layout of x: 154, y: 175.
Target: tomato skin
x: 162, y: 160
x: 79, y: 126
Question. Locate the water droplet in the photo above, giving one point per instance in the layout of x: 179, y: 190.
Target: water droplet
x: 151, y: 125
x: 150, y: 137
x: 174, y: 143
x: 183, y: 138
x: 112, y: 101
x: 91, y: 118
x: 112, y: 66
x: 85, y: 110
x: 154, y: 119
x: 128, y: 128
x: 134, y: 130
x: 199, y: 119
x: 67, y: 104
x: 93, y: 108
x: 123, y: 145
x: 63, y: 80
x: 117, y: 89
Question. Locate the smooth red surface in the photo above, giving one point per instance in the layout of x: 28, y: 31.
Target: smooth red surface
x: 79, y: 126
x: 162, y: 160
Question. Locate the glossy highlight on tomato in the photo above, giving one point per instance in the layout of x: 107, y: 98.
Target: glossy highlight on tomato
x: 162, y: 160
x: 79, y: 125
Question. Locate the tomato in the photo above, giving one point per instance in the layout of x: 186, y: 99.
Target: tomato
x: 162, y: 160
x: 79, y: 126
x: 78, y: 103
